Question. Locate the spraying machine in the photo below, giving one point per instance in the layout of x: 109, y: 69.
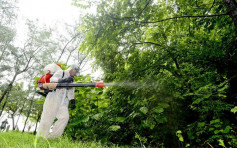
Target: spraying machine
x: 45, y: 88
x: 52, y: 86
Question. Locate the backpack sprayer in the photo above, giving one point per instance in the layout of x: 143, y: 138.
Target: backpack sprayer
x: 52, y: 86
x: 45, y: 88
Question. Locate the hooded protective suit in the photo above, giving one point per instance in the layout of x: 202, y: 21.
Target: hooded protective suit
x: 56, y: 106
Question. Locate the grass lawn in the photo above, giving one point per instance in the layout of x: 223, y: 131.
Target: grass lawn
x: 13, y: 139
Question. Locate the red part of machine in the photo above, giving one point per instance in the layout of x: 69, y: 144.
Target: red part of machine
x: 99, y: 84
x: 45, y: 78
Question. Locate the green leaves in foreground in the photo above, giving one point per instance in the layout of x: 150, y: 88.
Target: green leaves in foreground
x: 234, y: 110
x: 179, y: 135
x: 178, y: 73
x: 114, y: 127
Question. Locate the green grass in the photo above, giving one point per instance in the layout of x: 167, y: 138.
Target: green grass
x: 14, y: 139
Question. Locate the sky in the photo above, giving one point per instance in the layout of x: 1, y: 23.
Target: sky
x: 49, y: 11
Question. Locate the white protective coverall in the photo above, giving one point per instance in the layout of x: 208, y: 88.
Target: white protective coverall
x: 56, y: 105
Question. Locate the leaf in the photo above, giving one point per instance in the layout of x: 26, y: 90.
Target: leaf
x: 163, y: 105
x: 227, y: 129
x: 211, y: 129
x: 221, y: 95
x: 216, y: 131
x: 178, y: 132
x: 217, y: 125
x: 120, y: 119
x: 36, y: 78
x: 80, y: 119
x: 114, y: 127
x: 161, y: 119
x: 223, y: 88
x: 187, y: 145
x: 97, y: 116
x: 234, y: 110
x: 221, y: 142
x: 181, y: 138
x: 40, y: 101
x: 214, y: 121
x: 206, y: 96
x: 197, y: 101
x: 85, y: 119
x: 201, y: 124
x: 188, y: 94
x: 144, y: 110
x: 159, y: 110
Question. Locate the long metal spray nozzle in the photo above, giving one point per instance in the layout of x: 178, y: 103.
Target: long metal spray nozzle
x: 66, y: 85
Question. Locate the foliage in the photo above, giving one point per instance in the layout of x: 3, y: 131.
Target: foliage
x: 174, y: 63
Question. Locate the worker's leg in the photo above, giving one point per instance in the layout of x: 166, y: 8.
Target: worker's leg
x: 50, y: 109
x: 61, y: 123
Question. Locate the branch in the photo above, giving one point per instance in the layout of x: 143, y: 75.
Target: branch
x: 212, y: 6
x: 27, y: 65
x: 66, y: 46
x: 70, y: 53
x: 147, y: 43
x: 176, y: 17
x: 144, y: 8
x: 36, y: 50
x: 25, y: 55
x: 8, y: 7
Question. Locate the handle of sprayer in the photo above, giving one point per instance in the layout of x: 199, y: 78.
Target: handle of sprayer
x: 53, y: 86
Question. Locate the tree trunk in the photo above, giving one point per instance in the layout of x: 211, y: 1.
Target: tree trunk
x: 231, y: 6
x: 9, y: 87
x: 13, y: 121
x: 4, y: 105
x: 28, y: 114
x: 13, y: 124
x: 37, y: 123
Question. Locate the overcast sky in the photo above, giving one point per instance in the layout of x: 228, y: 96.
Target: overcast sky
x: 49, y: 11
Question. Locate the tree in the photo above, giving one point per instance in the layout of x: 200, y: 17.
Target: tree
x: 15, y: 100
x: 179, y: 56
x: 8, y: 12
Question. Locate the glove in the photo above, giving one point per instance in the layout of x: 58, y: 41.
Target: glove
x: 66, y: 80
x: 72, y: 102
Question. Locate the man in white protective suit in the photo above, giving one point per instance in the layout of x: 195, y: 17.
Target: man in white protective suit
x: 56, y: 105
